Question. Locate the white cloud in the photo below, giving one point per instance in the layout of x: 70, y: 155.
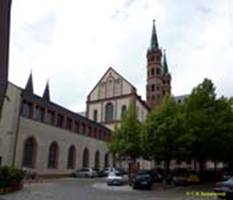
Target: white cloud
x: 74, y: 42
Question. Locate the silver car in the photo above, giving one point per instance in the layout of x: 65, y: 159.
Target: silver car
x: 86, y: 172
x: 114, y: 179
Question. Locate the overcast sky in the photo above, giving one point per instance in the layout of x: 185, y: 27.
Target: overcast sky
x: 73, y: 42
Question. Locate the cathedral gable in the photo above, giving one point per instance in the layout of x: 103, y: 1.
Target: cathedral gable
x: 111, y: 85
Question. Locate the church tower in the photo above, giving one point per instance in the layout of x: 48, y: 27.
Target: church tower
x: 158, y: 77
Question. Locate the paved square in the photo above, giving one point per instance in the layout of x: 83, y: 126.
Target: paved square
x: 93, y: 189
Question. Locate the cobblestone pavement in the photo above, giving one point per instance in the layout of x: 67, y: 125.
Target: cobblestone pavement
x: 92, y: 189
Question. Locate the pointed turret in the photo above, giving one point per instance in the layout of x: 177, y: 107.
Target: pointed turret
x: 165, y: 66
x: 154, y: 44
x: 29, y: 85
x: 46, y: 95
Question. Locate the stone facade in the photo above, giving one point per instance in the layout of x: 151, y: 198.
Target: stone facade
x: 19, y: 124
x: 111, y: 97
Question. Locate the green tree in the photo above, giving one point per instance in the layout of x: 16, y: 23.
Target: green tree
x: 126, y: 137
x: 199, y: 110
x: 160, y: 132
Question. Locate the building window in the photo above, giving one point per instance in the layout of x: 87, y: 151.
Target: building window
x: 158, y: 96
x: 77, y: 127
x: 60, y: 120
x: 153, y: 97
x: 83, y: 129
x: 50, y: 117
x: 27, y: 109
x: 123, y: 110
x: 102, y: 90
x: 158, y: 71
x: 95, y: 132
x: 85, y: 163
x: 97, y: 160
x: 29, y: 153
x: 178, y: 162
x: 99, y: 134
x: 71, y: 157
x: 152, y: 71
x: 109, y: 89
x: 152, y: 58
x: 153, y: 87
x: 109, y: 112
x: 188, y: 162
x: 106, y: 160
x: 117, y: 87
x: 158, y: 88
x: 95, y: 115
x: 89, y: 130
x: 53, y: 156
x: 69, y: 124
x: 39, y: 114
x: 0, y: 161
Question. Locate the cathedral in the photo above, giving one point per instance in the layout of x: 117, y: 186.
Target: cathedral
x: 39, y: 135
x: 112, y: 95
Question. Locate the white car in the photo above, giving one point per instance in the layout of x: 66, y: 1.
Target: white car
x: 114, y: 179
x: 86, y: 172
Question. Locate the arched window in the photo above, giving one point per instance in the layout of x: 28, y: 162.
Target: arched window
x: 106, y: 160
x: 123, y: 110
x: 85, y: 158
x: 109, y: 88
x: 109, y: 112
x: 29, y: 153
x: 97, y: 160
x: 71, y: 157
x: 53, y: 156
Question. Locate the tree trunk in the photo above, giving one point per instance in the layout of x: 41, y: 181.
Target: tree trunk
x: 215, y: 165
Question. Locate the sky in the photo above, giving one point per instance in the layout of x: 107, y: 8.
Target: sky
x: 71, y: 43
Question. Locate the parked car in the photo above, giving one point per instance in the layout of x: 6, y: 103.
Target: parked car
x: 142, y: 180
x: 121, y: 171
x: 86, y: 172
x: 106, y: 171
x: 156, y: 176
x: 192, y: 178
x: 177, y: 177
x: 225, y: 187
x: 114, y: 179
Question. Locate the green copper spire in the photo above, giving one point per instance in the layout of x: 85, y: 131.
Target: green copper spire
x: 165, y: 66
x: 154, y: 44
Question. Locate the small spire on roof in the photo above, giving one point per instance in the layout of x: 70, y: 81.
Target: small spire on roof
x: 46, y: 94
x: 165, y: 65
x: 29, y: 85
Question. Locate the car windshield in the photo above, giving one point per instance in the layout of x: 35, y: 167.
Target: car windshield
x: 114, y: 174
x: 230, y: 180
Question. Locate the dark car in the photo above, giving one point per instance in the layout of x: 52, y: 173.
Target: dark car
x: 156, y: 176
x: 177, y: 177
x: 225, y: 188
x: 142, y: 180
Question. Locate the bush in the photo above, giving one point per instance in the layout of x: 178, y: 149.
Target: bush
x: 10, y: 177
